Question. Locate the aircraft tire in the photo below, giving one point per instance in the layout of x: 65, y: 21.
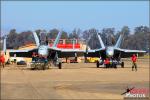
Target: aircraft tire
x: 32, y: 68
x: 122, y: 64
x: 44, y: 67
x: 115, y: 66
x: 107, y: 66
x: 97, y: 64
x: 48, y: 66
x: 60, y: 65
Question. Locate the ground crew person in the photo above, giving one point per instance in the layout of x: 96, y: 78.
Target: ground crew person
x: 2, y: 60
x: 134, y: 65
x: 33, y: 56
x: 15, y: 58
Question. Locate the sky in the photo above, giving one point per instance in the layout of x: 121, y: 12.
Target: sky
x: 67, y: 15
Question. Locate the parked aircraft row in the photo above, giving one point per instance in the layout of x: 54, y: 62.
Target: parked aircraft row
x: 113, y: 53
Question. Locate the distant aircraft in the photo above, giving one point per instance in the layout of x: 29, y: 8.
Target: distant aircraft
x: 114, y: 53
x: 43, y: 49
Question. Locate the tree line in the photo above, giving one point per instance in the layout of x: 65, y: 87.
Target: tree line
x: 139, y: 39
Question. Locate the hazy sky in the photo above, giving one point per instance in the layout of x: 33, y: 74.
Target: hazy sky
x: 67, y: 15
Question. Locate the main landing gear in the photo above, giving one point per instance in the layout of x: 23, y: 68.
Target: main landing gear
x: 57, y: 61
x: 111, y: 64
x: 122, y: 64
x: 98, y: 63
x: 60, y: 65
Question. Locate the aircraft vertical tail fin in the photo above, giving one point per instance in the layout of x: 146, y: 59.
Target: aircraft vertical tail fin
x: 118, y: 43
x: 57, y: 39
x: 37, y: 41
x: 100, y: 40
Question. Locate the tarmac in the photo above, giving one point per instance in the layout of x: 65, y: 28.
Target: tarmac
x: 73, y: 81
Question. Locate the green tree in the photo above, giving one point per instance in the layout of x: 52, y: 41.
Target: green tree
x: 91, y: 38
x: 125, y: 30
x: 12, y: 39
x: 75, y: 34
x: 64, y: 35
x: 141, y: 29
x: 108, y: 36
x: 52, y: 34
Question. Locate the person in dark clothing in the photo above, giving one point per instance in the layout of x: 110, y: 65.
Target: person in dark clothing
x: 33, y: 56
x: 8, y: 62
x: 15, y: 60
x: 134, y: 59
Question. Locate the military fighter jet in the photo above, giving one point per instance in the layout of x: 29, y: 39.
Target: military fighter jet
x: 113, y: 53
x: 43, y: 49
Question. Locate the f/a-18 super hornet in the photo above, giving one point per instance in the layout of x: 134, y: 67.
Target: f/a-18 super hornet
x: 113, y: 53
x: 44, y: 50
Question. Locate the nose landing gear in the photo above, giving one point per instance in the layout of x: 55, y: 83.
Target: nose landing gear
x: 57, y: 61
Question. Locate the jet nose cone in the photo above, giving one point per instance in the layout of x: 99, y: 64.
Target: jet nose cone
x: 110, y: 53
x: 43, y: 50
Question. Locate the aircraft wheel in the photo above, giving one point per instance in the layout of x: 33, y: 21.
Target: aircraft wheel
x: 107, y: 65
x: 97, y: 64
x: 122, y: 64
x: 32, y: 68
x: 115, y: 66
x: 43, y: 67
x: 48, y: 66
x: 39, y: 67
x: 60, y: 65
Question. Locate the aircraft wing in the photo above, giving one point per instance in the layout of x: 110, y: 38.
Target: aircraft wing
x: 22, y: 53
x: 95, y: 53
x: 125, y: 53
x: 62, y: 53
x: 71, y: 53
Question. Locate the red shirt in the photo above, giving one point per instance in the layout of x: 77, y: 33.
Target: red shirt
x: 134, y: 58
x: 107, y: 61
x: 2, y: 59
